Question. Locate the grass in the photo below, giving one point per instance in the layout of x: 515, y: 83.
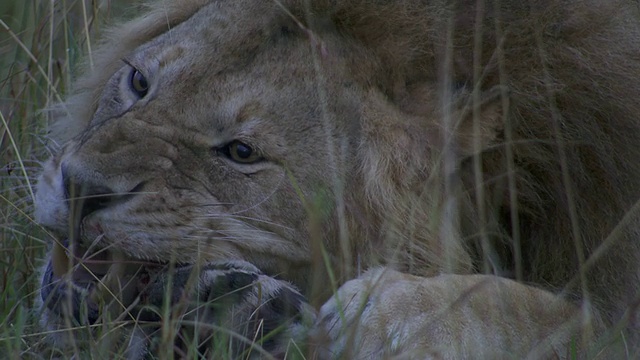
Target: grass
x: 41, y: 43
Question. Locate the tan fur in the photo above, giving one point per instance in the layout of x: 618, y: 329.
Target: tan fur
x: 397, y: 133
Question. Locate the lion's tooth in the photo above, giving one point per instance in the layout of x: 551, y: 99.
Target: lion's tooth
x: 60, y: 262
x: 117, y: 282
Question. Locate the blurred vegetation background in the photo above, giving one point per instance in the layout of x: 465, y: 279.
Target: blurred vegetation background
x: 41, y: 43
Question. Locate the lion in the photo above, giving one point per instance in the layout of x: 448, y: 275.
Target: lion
x: 352, y: 179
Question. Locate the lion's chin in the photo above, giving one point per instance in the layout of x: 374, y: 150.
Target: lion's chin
x: 81, y: 284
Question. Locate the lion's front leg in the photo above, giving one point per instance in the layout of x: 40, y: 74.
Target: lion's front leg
x: 221, y: 310
x: 386, y: 313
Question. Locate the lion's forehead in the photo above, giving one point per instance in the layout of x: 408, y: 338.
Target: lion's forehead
x: 216, y: 38
x: 227, y: 67
x: 227, y: 74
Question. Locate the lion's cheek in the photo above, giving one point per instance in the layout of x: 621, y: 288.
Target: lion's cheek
x: 189, y: 243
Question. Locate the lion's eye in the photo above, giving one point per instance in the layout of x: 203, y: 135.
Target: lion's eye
x: 138, y: 83
x: 240, y: 152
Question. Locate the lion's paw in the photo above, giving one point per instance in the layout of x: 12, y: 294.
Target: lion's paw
x: 365, y: 320
x: 385, y: 313
x: 388, y: 314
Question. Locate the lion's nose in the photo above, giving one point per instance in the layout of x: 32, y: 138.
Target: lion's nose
x: 86, y: 196
x: 83, y: 196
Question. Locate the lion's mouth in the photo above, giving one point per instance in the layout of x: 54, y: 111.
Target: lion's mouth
x: 82, y: 284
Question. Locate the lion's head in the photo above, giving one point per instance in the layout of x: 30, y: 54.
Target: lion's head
x: 299, y: 135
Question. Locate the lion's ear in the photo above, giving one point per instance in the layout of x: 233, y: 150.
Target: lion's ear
x: 479, y: 121
x: 470, y: 123
x: 410, y: 62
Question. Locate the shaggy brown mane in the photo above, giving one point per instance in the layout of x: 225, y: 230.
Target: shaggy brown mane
x: 561, y: 165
